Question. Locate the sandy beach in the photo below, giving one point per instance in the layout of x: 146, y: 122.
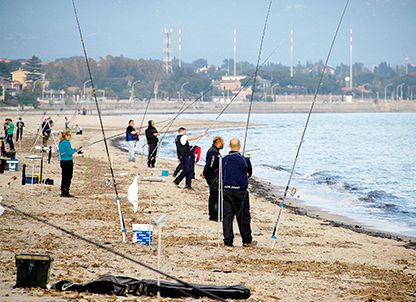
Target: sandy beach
x: 314, y: 259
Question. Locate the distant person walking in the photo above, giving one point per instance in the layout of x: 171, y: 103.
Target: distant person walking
x: 10, y: 133
x: 185, y: 156
x: 19, y: 129
x: 236, y: 171
x: 67, y: 126
x: 210, y: 173
x: 67, y: 164
x: 152, y: 140
x: 131, y: 138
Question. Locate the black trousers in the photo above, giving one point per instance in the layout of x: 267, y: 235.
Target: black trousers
x: 151, y: 156
x: 213, y: 198
x: 67, y: 167
x: 187, y: 171
x: 19, y: 134
x: 236, y: 203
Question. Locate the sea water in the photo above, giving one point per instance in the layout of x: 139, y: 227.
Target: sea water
x: 358, y: 165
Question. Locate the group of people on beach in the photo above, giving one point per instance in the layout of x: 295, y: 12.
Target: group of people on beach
x: 236, y: 170
x: 9, y: 128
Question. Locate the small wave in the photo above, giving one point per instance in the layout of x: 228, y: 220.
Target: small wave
x: 277, y: 168
x: 335, y: 181
x: 378, y: 195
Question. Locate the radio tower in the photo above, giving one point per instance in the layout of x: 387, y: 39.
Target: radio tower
x: 351, y: 58
x: 291, y: 53
x: 167, y: 60
x: 180, y: 47
x: 235, y: 52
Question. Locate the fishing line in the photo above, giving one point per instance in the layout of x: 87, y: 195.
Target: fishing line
x: 123, y: 227
x: 255, y: 74
x: 308, y: 118
x: 110, y: 250
x: 181, y: 110
x: 248, y: 79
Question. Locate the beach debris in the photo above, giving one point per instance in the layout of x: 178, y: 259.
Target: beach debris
x: 154, y: 179
x: 293, y: 191
x: 133, y: 194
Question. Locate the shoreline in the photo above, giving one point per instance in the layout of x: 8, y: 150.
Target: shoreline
x: 263, y: 188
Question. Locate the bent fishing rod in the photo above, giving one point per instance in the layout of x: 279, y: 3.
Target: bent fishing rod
x: 244, y: 85
x: 281, y: 204
x: 122, y: 223
x: 253, y: 87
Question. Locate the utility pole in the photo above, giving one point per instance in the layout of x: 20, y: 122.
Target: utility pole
x: 351, y: 79
x: 235, y: 52
x: 291, y: 53
x: 180, y: 47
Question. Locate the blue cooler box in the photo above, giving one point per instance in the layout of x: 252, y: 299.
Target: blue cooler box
x: 13, y: 165
x: 142, y: 233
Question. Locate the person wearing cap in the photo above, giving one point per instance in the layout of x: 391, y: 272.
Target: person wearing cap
x: 185, y: 156
x: 236, y: 170
x: 210, y: 174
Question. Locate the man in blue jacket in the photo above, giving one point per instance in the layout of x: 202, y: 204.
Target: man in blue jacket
x: 236, y: 171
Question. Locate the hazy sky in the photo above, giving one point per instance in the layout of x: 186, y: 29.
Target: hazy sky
x: 384, y: 30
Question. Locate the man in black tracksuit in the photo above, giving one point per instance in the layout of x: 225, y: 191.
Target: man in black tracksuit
x: 236, y: 171
x: 185, y: 156
x: 152, y: 140
x: 210, y: 174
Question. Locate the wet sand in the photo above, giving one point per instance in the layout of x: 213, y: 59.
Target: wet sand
x: 313, y: 259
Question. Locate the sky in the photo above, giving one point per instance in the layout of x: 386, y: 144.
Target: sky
x: 383, y: 30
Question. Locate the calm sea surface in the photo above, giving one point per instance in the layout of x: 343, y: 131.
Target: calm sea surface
x: 359, y: 165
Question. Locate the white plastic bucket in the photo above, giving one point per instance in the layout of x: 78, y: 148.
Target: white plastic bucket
x: 142, y: 233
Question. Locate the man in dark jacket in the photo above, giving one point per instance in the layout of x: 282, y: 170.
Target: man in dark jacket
x: 210, y: 174
x: 236, y: 171
x: 152, y: 140
x: 185, y: 156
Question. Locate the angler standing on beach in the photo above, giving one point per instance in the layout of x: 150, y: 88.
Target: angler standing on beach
x: 67, y: 164
x: 185, y: 156
x: 9, y: 133
x: 19, y: 129
x: 236, y: 171
x: 152, y: 140
x: 210, y: 174
x: 131, y: 138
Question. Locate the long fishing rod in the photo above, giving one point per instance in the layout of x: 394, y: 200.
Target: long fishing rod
x: 148, y: 102
x: 114, y: 136
x: 281, y: 205
x: 181, y: 110
x: 255, y: 75
x: 122, y: 223
x: 110, y: 250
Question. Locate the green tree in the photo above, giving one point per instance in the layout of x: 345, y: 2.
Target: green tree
x: 34, y: 66
x: 28, y: 97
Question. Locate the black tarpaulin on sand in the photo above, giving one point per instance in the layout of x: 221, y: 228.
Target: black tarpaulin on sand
x: 121, y: 286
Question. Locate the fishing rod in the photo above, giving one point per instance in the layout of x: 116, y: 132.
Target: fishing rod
x: 112, y: 251
x: 181, y: 110
x: 241, y: 88
x: 281, y: 203
x: 255, y: 75
x: 122, y: 223
x: 114, y: 136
